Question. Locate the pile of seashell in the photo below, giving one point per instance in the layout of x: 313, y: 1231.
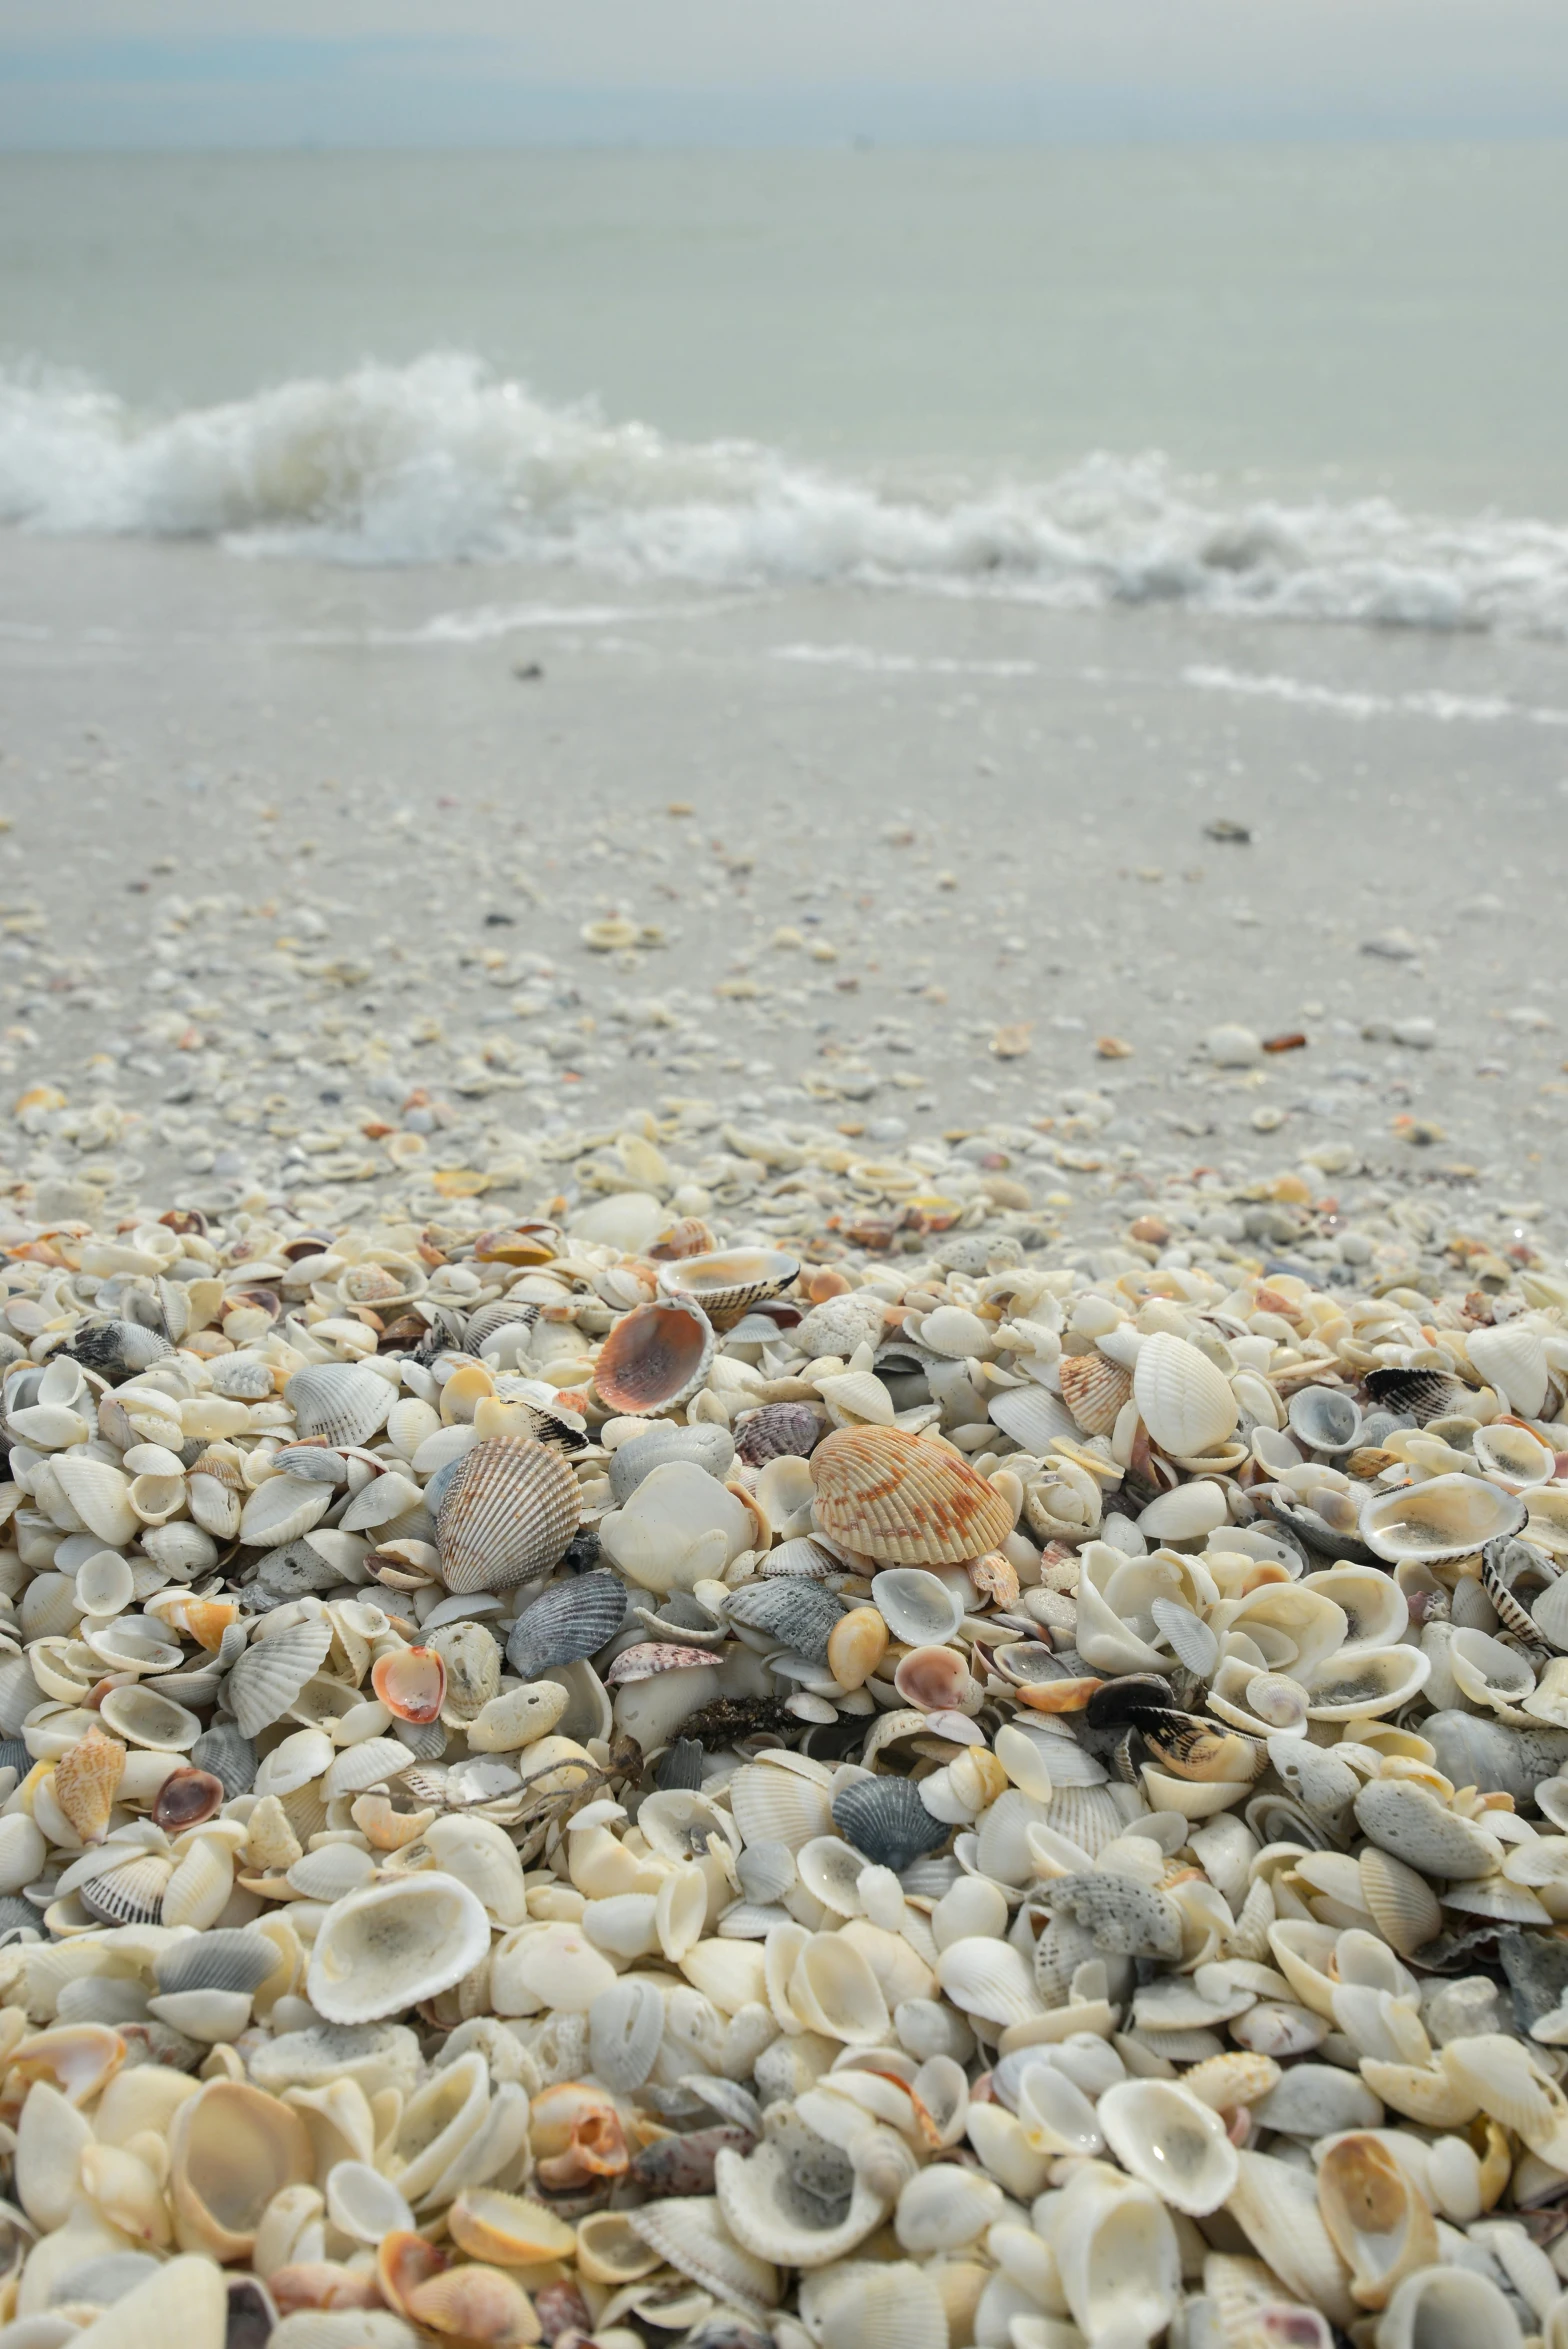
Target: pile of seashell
x: 565, y: 1787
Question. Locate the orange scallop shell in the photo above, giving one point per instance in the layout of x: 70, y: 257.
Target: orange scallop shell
x: 905, y: 1502
x: 1094, y: 1389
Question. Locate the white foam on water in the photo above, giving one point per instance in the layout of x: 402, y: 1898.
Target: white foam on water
x: 1449, y: 708
x: 440, y: 461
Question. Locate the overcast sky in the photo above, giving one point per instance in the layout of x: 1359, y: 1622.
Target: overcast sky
x: 456, y: 72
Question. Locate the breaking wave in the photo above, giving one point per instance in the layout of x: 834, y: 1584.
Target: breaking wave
x: 442, y: 461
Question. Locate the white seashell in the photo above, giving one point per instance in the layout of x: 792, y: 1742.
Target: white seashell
x: 369, y: 1763
x: 339, y: 1400
x: 833, y: 1991
x: 1276, y: 2207
x: 764, y: 2211
x: 385, y: 1949
x: 1445, y: 1517
x: 1117, y: 2257
x: 918, y: 1607
x: 364, y: 2205
x: 1173, y: 2143
x: 1511, y: 1357
x: 1448, y: 2307
x: 880, y: 2305
x: 101, y: 1496
x: 1188, y: 1511
x: 1184, y: 1402
x: 185, y: 2300
x: 990, y: 1979
x: 283, y: 1508
x: 625, y: 2030
x: 941, y: 2210
x: 267, y: 1678
x: 139, y: 1714
x: 772, y: 1805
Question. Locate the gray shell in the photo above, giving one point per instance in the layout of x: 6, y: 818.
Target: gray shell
x: 796, y: 1612
x: 270, y: 1675
x: 339, y: 1400
x: 712, y: 1448
x: 886, y: 1820
x: 117, y: 1350
x: 1472, y: 1751
x: 567, y: 1621
x: 780, y: 1430
x: 232, y: 1958
x: 1126, y: 1918
x: 1537, y: 1970
x: 228, y: 1753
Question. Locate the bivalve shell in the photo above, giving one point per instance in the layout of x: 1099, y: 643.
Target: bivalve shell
x: 900, y: 1500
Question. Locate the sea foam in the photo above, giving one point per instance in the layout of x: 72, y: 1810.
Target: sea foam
x: 442, y: 461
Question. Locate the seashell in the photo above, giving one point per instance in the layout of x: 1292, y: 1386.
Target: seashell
x: 139, y: 1714
x: 856, y: 1645
x: 1315, y: 2100
x: 340, y: 1401
x: 282, y: 1509
x: 567, y: 1621
x: 1186, y: 1513
x: 1094, y: 1389
x: 990, y: 1979
x: 654, y: 1357
x: 1171, y: 2141
x: 1421, y: 1395
x: 411, y: 1683
x: 1184, y: 1402
x: 229, y: 1755
x: 1117, y: 2258
x: 1511, y: 1356
x: 270, y: 1674
x: 1032, y: 1416
x: 1378, y: 2222
x: 726, y: 1284
x: 918, y: 1608
x: 778, y: 1431
x: 117, y: 1350
x: 507, y: 1517
x: 833, y: 1991
x: 1276, y: 2208
x: 873, y: 2305
x: 231, y: 2149
x: 86, y: 1780
x: 885, y: 1819
x: 182, y: 2300
x: 790, y: 1611
x: 391, y: 1946
x: 100, y: 1494
x: 1407, y: 1820
x: 1402, y: 1903
x: 236, y: 1959
x: 1123, y: 1917
x: 473, y: 2304
x: 1513, y: 1457
x: 625, y: 2031
x: 1325, y: 1419
x: 1446, y: 2307
x: 508, y: 2230
x: 1363, y: 1683
x: 769, y: 2205
x: 690, y: 2232
x: 130, y: 1893
x: 891, y: 1497
x: 1445, y: 1517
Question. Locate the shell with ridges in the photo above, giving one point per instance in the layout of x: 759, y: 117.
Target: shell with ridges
x: 507, y: 1516
x: 900, y: 1500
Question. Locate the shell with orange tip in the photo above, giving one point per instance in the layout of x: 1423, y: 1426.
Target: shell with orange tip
x: 893, y: 1497
x: 474, y: 2308
x: 86, y: 1779
x: 411, y: 1682
x: 1095, y: 1389
x: 654, y: 1357
x: 403, y: 2263
x: 508, y: 2230
x: 576, y: 2134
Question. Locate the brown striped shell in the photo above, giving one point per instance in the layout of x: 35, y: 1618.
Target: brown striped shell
x: 904, y: 1502
x: 1094, y: 1388
x: 507, y: 1516
x: 654, y: 1357
x: 727, y: 1283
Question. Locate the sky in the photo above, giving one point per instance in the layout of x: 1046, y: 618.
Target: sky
x: 186, y: 73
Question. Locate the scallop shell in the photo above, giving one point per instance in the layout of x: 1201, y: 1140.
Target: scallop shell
x: 1174, y: 2143
x: 1402, y: 1903
x: 1511, y: 1356
x: 507, y: 1517
x: 1184, y: 1402
x: 339, y: 1400
x: 789, y: 1610
x: 728, y: 1282
x: 891, y: 1497
x: 270, y: 1674
x: 874, y: 2305
x: 1032, y: 1416
x: 567, y: 1621
x: 654, y: 1357
x: 1094, y: 1389
x: 236, y: 1958
x: 394, y: 1945
x: 1446, y: 1517
x: 886, y: 1820
x: 690, y: 2233
x: 778, y: 1431
x: 773, y: 1805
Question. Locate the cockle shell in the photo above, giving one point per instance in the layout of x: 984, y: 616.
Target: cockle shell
x: 1184, y: 1402
x: 691, y: 2233
x: 270, y: 1674
x: 339, y: 1400
x: 789, y: 1610
x: 727, y: 1283
x: 777, y: 1431
x: 766, y: 2209
x: 884, y: 1818
x: 1094, y: 1389
x: 385, y: 1949
x: 654, y: 1357
x: 567, y: 1621
x: 1512, y: 1358
x: 895, y: 1498
x: 507, y: 1516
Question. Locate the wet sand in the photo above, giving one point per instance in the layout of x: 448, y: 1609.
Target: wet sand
x: 289, y: 845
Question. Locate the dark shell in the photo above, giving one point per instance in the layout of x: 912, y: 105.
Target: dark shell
x: 231, y: 1958
x: 229, y: 1755
x: 728, y: 1719
x: 581, y: 1552
x: 1425, y: 1394
x: 560, y: 2309
x: 799, y: 1614
x: 500, y: 1315
x: 18, y: 1916
x: 684, y: 2164
x: 1537, y: 1970
x: 15, y: 1756
x: 117, y: 1350
x: 1115, y: 1704
x: 777, y: 1430
x: 251, y: 2314
x: 186, y: 1797
x: 1191, y: 1746
x: 679, y: 1768
x: 886, y: 1819
x: 566, y: 1621
x: 1513, y: 1573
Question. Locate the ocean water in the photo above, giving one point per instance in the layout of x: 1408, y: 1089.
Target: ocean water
x: 1317, y: 384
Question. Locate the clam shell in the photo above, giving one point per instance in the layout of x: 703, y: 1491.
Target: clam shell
x: 885, y: 1819
x: 726, y: 1283
x: 1378, y: 2222
x: 689, y: 2231
x: 1326, y: 1419
x: 1445, y: 2306
x: 269, y: 1676
x: 880, y: 2305
x: 339, y: 1400
x: 139, y: 1714
x: 386, y: 1949
x: 1407, y: 1820
x: 1184, y: 1402
x: 1512, y: 1358
x: 766, y: 2210
x: 1402, y: 1903
x: 1032, y: 1416
x: 231, y: 2149
x: 1446, y: 1517
x: 1094, y: 1389
x: 567, y: 1621
x: 236, y: 1959
x: 891, y: 1497
x: 1174, y: 2143
x: 791, y: 1611
x: 918, y: 1608
x: 507, y: 1517
x: 654, y: 1357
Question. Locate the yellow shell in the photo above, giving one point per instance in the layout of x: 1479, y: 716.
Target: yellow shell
x: 86, y: 1778
x: 904, y: 1502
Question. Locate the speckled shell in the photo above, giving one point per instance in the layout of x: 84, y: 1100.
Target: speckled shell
x: 507, y: 1516
x: 892, y: 1497
x: 1094, y: 1389
x: 654, y: 1357
x: 339, y: 1400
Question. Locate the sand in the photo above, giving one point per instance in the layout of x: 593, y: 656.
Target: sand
x: 909, y: 824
